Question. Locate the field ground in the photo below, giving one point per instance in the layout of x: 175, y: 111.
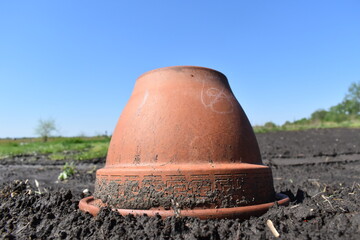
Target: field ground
x: 59, y: 148
x: 319, y: 170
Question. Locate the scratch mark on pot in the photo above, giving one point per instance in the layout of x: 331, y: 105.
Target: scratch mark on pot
x: 212, y: 96
x: 142, y: 102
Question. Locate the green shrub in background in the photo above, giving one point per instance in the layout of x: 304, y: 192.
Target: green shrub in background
x: 270, y: 125
x: 344, y: 114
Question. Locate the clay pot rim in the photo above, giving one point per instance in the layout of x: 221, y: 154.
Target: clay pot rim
x: 208, y: 168
x: 210, y: 213
x: 179, y: 67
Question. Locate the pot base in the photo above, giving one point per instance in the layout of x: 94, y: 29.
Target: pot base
x: 189, y: 186
x: 91, y: 205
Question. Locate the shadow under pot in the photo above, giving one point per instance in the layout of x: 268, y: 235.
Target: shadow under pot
x: 183, y: 146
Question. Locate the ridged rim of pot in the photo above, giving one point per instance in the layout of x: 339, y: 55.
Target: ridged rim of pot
x: 244, y: 212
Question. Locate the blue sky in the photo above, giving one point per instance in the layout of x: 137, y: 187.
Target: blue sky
x: 77, y: 61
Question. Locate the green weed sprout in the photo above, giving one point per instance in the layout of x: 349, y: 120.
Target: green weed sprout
x: 68, y: 171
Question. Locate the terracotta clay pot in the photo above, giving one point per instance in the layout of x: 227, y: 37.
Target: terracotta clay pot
x: 184, y: 146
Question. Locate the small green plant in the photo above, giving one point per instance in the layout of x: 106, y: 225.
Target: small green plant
x: 68, y: 171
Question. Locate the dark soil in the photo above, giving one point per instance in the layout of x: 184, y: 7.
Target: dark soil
x: 318, y: 169
x: 309, y: 143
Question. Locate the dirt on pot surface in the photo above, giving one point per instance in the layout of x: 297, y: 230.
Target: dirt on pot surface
x: 320, y: 172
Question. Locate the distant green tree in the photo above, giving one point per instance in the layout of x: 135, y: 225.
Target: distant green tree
x: 354, y: 92
x: 349, y: 108
x: 270, y: 125
x: 351, y: 102
x: 336, y: 114
x: 287, y: 123
x: 301, y: 121
x: 319, y: 115
x: 45, y: 128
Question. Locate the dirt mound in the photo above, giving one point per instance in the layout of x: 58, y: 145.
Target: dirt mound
x: 332, y: 213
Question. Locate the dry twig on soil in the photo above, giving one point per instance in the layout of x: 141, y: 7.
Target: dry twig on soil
x: 273, y: 230
x: 327, y: 200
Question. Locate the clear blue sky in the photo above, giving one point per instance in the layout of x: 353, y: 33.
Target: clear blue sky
x: 77, y: 61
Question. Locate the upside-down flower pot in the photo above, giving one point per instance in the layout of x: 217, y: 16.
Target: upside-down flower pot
x: 184, y: 146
